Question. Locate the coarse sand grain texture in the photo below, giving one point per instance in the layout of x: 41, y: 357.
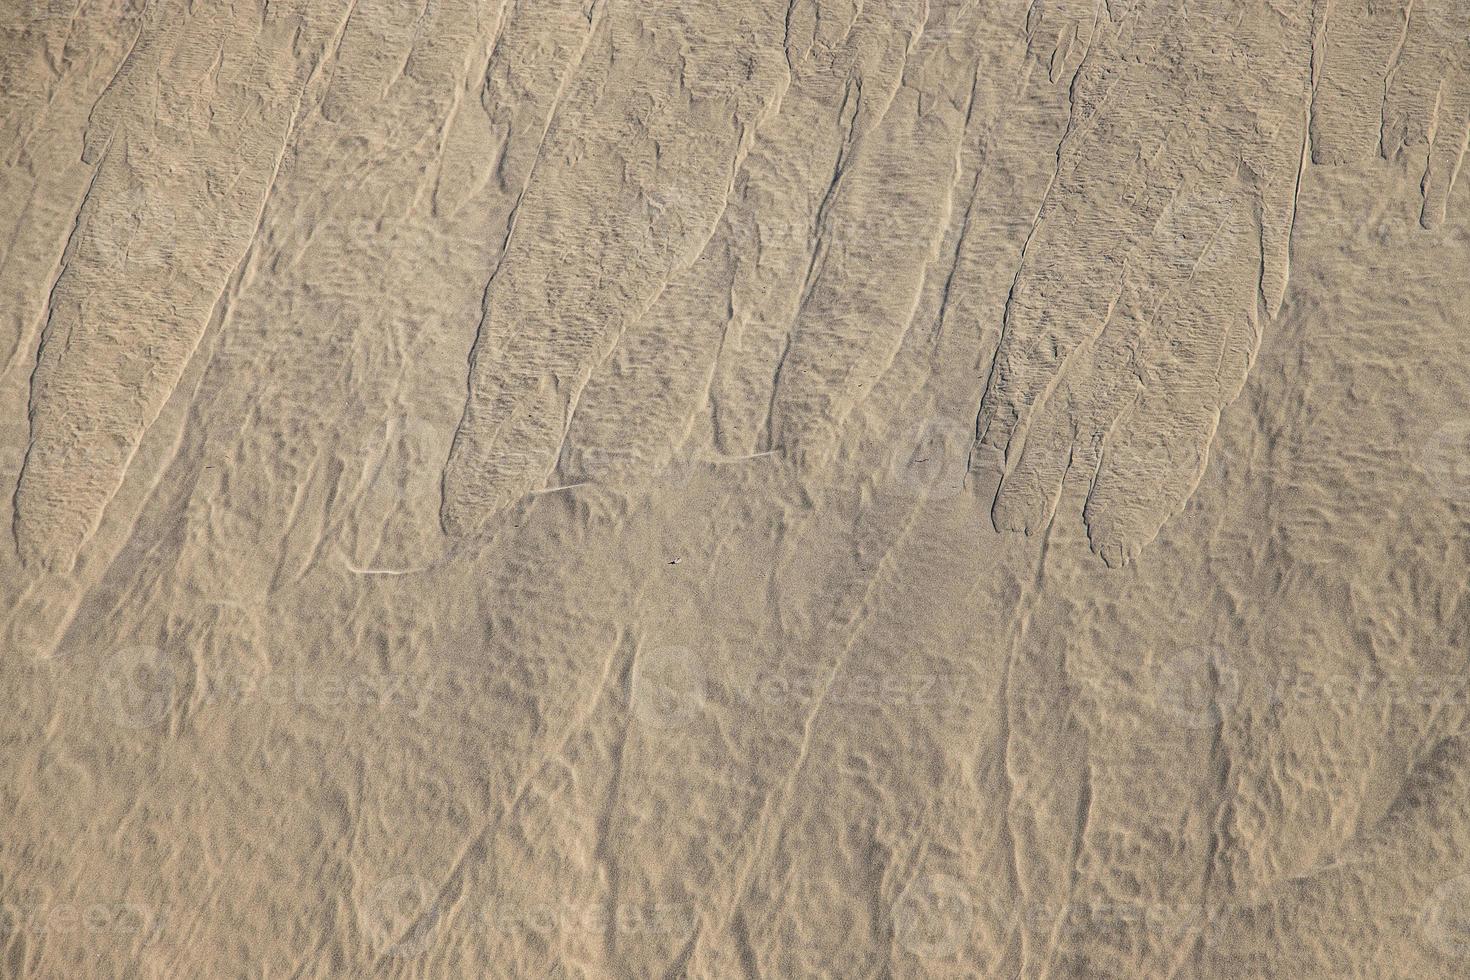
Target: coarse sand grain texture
x: 734, y: 489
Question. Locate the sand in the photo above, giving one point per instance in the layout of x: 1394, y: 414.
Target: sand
x: 733, y: 489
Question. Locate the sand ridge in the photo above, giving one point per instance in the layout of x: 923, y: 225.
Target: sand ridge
x: 734, y: 489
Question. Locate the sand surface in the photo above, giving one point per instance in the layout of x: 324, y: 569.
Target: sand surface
x: 735, y: 488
